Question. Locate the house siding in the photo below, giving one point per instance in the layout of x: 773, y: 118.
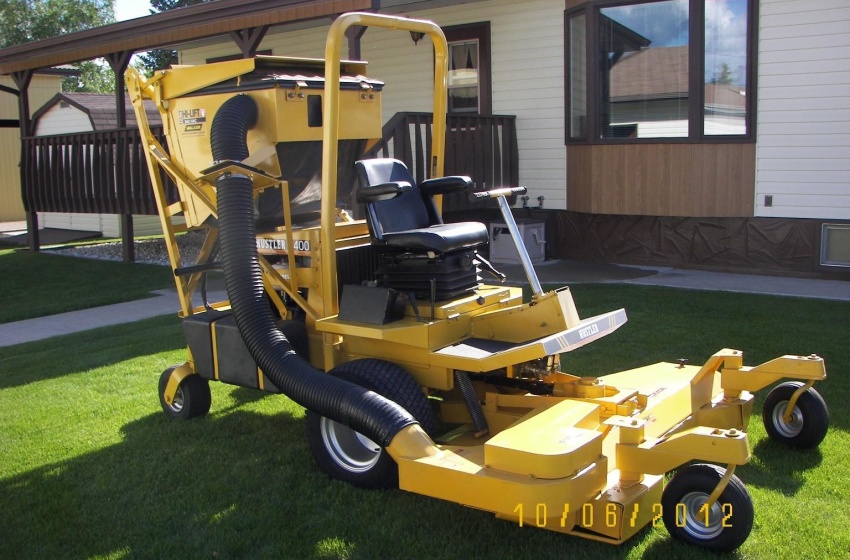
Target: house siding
x: 67, y: 120
x: 527, y: 68
x: 804, y: 109
x: 42, y: 88
x: 62, y: 120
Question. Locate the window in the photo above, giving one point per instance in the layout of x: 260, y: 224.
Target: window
x: 726, y: 68
x: 578, y: 77
x: 464, y: 70
x: 469, y: 68
x: 660, y: 69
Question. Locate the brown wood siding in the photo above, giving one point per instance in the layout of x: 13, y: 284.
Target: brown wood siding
x: 570, y: 4
x: 708, y: 180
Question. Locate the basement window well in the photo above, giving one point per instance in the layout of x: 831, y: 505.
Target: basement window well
x: 835, y: 245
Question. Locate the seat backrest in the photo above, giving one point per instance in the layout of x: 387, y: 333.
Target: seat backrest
x: 402, y: 213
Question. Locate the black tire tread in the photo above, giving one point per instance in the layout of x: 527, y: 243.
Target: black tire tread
x: 704, y: 477
x: 390, y: 381
x: 812, y: 407
x: 393, y: 382
x: 196, y: 396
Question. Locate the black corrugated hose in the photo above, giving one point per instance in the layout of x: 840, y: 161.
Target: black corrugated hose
x: 367, y: 412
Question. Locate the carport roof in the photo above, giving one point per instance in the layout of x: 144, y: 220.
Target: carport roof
x: 171, y: 28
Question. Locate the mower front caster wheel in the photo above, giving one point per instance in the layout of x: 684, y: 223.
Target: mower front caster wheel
x: 724, y: 526
x: 191, y: 400
x: 809, y: 420
x: 345, y: 454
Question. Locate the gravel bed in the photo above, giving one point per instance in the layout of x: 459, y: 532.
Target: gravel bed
x: 148, y: 251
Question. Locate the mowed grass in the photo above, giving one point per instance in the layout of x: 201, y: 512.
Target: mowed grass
x: 40, y: 284
x: 92, y: 468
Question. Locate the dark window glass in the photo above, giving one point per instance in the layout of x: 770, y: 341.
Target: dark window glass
x: 578, y: 76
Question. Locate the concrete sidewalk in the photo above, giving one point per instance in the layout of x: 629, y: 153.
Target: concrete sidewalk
x: 562, y: 272
x: 164, y: 302
x: 577, y: 272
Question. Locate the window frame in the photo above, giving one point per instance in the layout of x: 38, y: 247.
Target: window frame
x: 479, y: 31
x: 696, y: 82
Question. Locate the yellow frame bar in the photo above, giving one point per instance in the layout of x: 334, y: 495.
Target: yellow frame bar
x: 330, y: 136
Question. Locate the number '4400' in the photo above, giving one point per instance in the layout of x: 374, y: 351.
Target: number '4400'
x: 611, y: 516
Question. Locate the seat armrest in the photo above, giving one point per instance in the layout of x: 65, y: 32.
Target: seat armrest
x: 384, y: 191
x: 445, y: 185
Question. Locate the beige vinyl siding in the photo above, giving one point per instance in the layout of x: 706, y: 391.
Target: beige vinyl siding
x: 42, y: 89
x: 108, y: 224
x: 804, y: 109
x: 11, y: 206
x: 63, y: 120
x: 527, y: 60
x: 306, y: 43
x: 62, y: 220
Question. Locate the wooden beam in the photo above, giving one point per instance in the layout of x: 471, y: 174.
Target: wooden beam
x: 248, y: 40
x: 22, y: 80
x: 7, y: 89
x: 119, y: 61
x: 354, y: 34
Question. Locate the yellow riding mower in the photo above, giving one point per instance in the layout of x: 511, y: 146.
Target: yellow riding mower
x: 414, y: 372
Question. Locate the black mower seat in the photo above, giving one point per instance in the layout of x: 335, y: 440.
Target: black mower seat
x: 402, y: 214
x: 439, y: 238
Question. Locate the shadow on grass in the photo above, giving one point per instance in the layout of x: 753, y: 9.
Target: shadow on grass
x: 42, y: 360
x: 779, y: 467
x: 669, y: 548
x: 242, y: 484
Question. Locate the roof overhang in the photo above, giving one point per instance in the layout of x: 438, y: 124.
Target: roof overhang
x: 171, y: 28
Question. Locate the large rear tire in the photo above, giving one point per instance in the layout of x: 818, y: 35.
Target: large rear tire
x: 345, y: 454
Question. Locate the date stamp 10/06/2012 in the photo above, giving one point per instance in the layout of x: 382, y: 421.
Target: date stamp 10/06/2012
x: 586, y: 515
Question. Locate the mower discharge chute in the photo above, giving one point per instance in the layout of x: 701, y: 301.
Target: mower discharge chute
x: 436, y: 382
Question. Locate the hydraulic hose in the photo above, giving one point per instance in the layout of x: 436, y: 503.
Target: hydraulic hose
x: 372, y: 415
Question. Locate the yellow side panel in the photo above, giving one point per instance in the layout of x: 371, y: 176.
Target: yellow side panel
x: 547, y: 444
x: 458, y: 475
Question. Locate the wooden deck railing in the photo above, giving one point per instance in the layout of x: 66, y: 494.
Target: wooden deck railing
x: 482, y: 147
x: 89, y: 172
x: 105, y: 172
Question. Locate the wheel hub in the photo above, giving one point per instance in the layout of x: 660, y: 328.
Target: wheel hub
x: 351, y: 450
x: 692, y: 517
x: 177, y: 404
x: 788, y: 429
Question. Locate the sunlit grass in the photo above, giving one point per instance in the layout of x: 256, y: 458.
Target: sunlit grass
x: 91, y: 467
x: 40, y: 284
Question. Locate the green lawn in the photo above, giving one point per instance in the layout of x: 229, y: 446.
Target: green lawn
x: 91, y: 467
x: 40, y: 284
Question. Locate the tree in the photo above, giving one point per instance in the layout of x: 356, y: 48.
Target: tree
x: 24, y: 21
x: 160, y: 59
x: 725, y: 75
x: 95, y: 76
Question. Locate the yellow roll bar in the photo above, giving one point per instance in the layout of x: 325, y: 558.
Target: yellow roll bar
x: 330, y: 137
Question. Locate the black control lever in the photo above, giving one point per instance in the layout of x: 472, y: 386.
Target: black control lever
x: 488, y: 267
